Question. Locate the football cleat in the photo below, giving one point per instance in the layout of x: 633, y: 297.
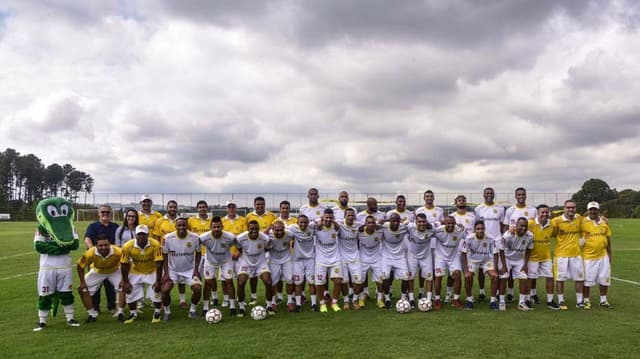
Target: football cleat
x: 291, y: 307
x: 232, y: 312
x: 587, y: 304
x: 336, y: 307
x: 225, y: 303
x: 241, y: 313
x: 606, y: 305
x: 387, y: 304
x: 166, y: 317
x: 535, y: 299
x: 457, y: 304
x: 523, y: 307
x: 468, y: 305
x: 39, y: 327
x: 509, y: 298
x: 194, y: 315
x: 314, y: 307
x: 278, y: 301
x: 270, y: 310
x: 323, y: 308
x: 502, y: 306
x: 157, y: 317
x: 493, y: 306
x: 214, y: 302
x: 562, y: 306
x: 552, y: 305
x: 529, y: 304
x: 482, y: 297
x: 448, y: 297
x: 298, y: 308
x: 580, y: 305
x: 184, y: 305
x: 380, y: 303
x: 253, y: 301
x: 412, y: 304
x: 355, y: 306
x: 437, y: 305
x: 132, y: 318
x: 121, y: 317
x: 73, y: 323
x: 90, y: 319
x: 361, y: 302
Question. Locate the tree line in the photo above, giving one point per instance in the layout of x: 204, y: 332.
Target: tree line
x: 25, y: 180
x: 613, y: 203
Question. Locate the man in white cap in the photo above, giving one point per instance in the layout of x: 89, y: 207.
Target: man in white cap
x: 596, y: 253
x: 147, y: 215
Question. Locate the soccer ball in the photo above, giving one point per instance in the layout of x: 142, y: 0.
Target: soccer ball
x: 213, y: 316
x: 403, y: 306
x: 424, y: 305
x: 258, y: 312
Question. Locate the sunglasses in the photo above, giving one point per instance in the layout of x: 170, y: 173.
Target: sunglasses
x: 105, y: 212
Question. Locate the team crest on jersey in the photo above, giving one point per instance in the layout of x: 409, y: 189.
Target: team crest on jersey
x: 397, y: 236
x: 466, y: 220
x: 318, y: 213
x: 336, y: 270
x: 189, y: 244
x: 333, y: 235
x: 526, y: 213
x: 376, y: 239
x: 495, y: 211
x: 455, y: 238
x: 230, y: 272
x: 484, y: 245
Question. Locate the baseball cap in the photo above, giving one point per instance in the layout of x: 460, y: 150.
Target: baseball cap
x: 229, y: 202
x: 141, y: 228
x: 593, y: 204
x: 145, y: 197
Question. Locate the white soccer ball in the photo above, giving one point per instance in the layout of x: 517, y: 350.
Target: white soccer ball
x: 258, y: 312
x: 403, y: 306
x: 424, y: 305
x: 213, y: 316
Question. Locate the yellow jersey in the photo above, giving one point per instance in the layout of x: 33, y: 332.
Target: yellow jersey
x: 596, y: 238
x: 287, y: 222
x: 102, y: 265
x: 264, y: 220
x: 150, y: 221
x: 165, y: 226
x: 199, y: 225
x: 541, y: 240
x: 236, y: 225
x: 143, y: 260
x: 567, y: 236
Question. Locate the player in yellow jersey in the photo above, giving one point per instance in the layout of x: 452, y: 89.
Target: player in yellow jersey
x: 540, y: 264
x: 596, y: 253
x: 148, y: 216
x: 568, y: 262
x: 104, y: 261
x: 199, y: 225
x: 141, y: 263
x: 265, y: 219
x: 236, y: 224
x: 285, y: 214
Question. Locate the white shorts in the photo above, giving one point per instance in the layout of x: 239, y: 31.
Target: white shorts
x: 376, y: 271
x: 515, y: 268
x: 398, y: 266
x: 185, y: 277
x: 281, y: 272
x: 597, y: 271
x: 486, y: 266
x: 137, y: 287
x: 321, y: 270
x: 304, y: 269
x: 354, y: 269
x: 444, y: 266
x: 94, y: 280
x: 226, y: 271
x: 54, y: 280
x: 425, y: 265
x: 252, y: 270
x: 569, y: 268
x: 540, y: 269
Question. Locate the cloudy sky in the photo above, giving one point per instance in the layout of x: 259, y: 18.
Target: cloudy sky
x: 371, y: 95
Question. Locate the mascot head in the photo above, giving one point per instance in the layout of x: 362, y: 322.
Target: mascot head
x: 55, y: 215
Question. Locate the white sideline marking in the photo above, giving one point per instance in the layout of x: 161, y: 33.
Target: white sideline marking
x: 16, y: 255
x: 24, y: 275
x: 625, y: 280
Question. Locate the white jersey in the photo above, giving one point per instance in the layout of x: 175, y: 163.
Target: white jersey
x: 492, y: 215
x: 479, y: 250
x: 327, y: 252
x: 370, y: 246
x: 51, y: 261
x: 419, y: 243
x: 466, y: 220
x: 515, y: 246
x: 434, y: 215
x: 280, y: 248
x: 393, y: 246
x: 405, y: 216
x: 312, y: 212
x: 338, y: 213
x: 253, y: 250
x: 218, y: 249
x: 348, y: 243
x: 447, y: 243
x: 303, y: 242
x: 181, y: 252
x: 362, y: 216
x: 514, y: 212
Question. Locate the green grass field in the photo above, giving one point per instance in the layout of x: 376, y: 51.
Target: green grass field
x: 370, y: 333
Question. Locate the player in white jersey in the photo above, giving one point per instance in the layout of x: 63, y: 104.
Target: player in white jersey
x: 343, y: 204
x: 252, y: 245
x: 218, y: 243
x: 394, y: 257
x: 419, y: 256
x: 328, y: 260
x: 280, y: 264
x: 371, y: 210
x: 447, y: 260
x: 350, y: 258
x: 435, y: 215
x: 401, y: 210
x: 517, y: 244
x: 511, y: 215
x: 465, y: 219
x: 479, y: 250
x: 492, y: 215
x: 304, y: 254
x: 369, y: 242
x: 182, y: 255
x: 313, y: 210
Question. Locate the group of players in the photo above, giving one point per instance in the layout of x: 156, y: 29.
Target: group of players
x: 342, y: 246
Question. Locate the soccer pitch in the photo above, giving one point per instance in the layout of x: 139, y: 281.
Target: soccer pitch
x: 369, y: 333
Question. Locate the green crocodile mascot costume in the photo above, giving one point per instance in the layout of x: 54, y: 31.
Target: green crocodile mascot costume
x: 55, y: 238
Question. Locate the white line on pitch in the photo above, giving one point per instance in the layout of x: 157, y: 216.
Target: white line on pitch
x: 625, y: 280
x: 17, y: 255
x: 18, y: 275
